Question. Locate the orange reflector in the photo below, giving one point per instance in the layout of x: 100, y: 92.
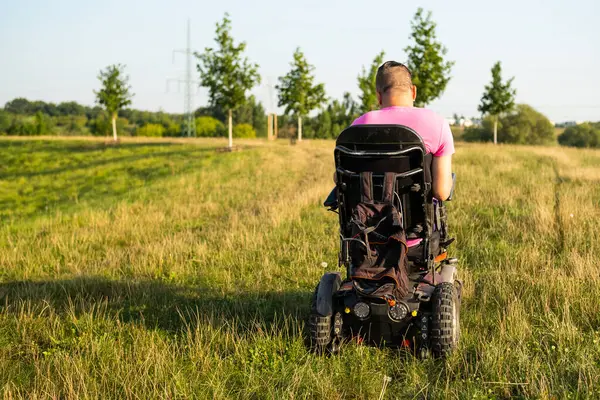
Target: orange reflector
x: 392, y: 302
x: 406, y: 343
x: 441, y: 257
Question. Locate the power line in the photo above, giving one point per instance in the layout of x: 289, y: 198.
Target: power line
x: 188, y: 99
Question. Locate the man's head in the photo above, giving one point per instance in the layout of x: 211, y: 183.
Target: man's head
x: 394, y: 86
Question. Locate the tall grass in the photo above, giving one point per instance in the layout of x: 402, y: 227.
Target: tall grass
x: 167, y: 270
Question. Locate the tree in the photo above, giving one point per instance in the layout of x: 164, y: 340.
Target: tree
x: 209, y: 127
x: 526, y: 126
x: 93, y: 112
x: 523, y: 126
x: 342, y: 114
x: 498, y: 98
x: 115, y: 93
x: 102, y: 126
x: 366, y: 84
x: 482, y: 133
x: 297, y: 91
x: 337, y: 116
x: 244, y: 131
x: 582, y: 135
x: 251, y: 112
x: 23, y: 125
x: 19, y: 105
x: 40, y: 124
x: 226, y: 74
x: 5, y: 122
x: 70, y: 108
x: 46, y: 108
x: 152, y: 130
x: 430, y: 73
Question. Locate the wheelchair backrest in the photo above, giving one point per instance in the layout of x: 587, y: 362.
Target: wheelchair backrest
x: 382, y: 149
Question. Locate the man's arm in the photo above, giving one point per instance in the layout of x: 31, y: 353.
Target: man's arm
x: 441, y: 169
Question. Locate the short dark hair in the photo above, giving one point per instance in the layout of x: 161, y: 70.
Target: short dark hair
x: 392, y: 74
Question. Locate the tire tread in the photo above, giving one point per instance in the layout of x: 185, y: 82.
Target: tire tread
x: 442, y: 340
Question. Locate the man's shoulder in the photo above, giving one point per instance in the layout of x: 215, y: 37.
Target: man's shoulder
x: 397, y: 114
x: 428, y: 113
x: 364, y: 118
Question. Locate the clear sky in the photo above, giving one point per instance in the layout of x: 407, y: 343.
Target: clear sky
x: 53, y: 50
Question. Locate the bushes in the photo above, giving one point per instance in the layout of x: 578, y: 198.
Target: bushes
x: 71, y: 124
x: 102, y: 126
x: 457, y: 132
x: 244, y: 131
x: 5, y: 122
x: 524, y: 126
x: 482, y: 133
x: 583, y: 135
x: 209, y: 127
x: 212, y: 127
x: 172, y: 129
x: 23, y: 126
x: 152, y: 130
x: 22, y: 117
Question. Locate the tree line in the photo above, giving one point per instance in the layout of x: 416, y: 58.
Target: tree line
x: 229, y: 76
x: 507, y: 122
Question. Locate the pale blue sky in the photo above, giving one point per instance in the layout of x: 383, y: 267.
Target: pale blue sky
x: 53, y: 50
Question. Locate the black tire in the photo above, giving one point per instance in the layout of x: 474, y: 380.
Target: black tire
x: 320, y: 327
x: 445, y: 320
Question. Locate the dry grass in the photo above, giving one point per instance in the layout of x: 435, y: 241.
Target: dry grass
x: 161, y: 269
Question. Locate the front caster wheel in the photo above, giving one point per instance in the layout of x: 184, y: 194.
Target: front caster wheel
x: 324, y: 328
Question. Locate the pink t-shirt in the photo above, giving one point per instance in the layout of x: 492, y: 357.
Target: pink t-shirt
x: 433, y: 128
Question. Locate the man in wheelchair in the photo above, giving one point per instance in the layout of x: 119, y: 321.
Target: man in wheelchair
x: 396, y: 95
x: 393, y: 173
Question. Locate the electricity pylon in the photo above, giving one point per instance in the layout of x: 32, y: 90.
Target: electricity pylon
x: 189, y: 128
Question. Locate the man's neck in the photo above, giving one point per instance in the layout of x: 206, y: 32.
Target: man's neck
x: 397, y: 103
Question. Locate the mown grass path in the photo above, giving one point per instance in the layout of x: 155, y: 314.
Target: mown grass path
x: 158, y: 269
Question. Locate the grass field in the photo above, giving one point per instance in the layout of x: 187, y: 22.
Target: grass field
x: 167, y: 270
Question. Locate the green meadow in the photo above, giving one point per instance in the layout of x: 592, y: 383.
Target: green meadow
x: 167, y: 269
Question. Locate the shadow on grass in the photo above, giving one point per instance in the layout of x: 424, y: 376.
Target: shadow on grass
x: 155, y: 304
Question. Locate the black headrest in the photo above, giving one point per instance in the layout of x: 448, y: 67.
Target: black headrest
x: 379, y: 134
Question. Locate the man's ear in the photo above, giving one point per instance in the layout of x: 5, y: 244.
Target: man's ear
x: 414, y: 92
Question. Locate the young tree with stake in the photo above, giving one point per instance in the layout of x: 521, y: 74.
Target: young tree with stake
x: 297, y: 91
x: 430, y: 73
x: 366, y: 84
x: 115, y: 92
x: 498, y: 98
x: 226, y: 73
